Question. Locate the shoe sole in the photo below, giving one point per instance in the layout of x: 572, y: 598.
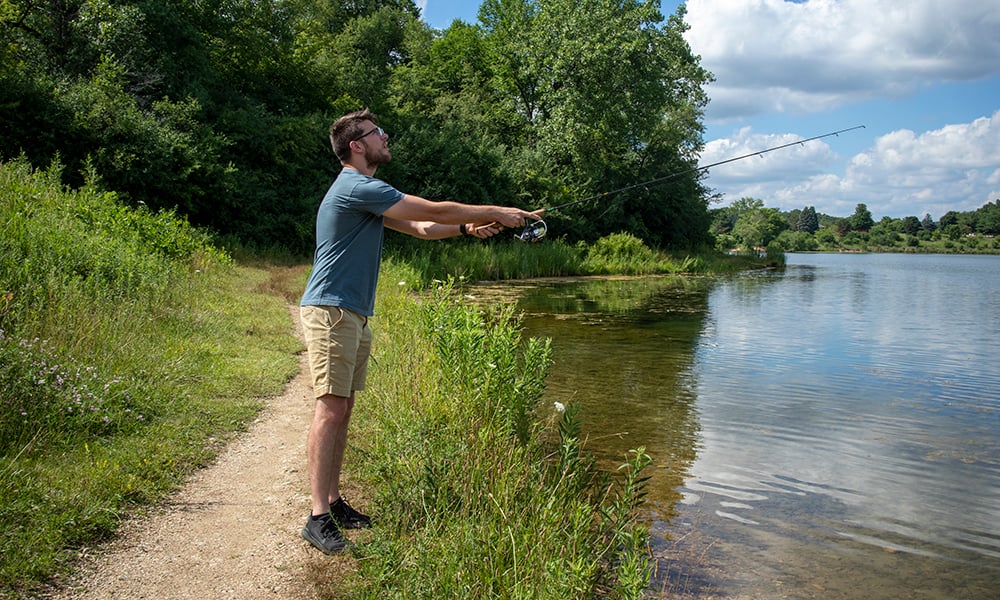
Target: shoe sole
x: 319, y: 546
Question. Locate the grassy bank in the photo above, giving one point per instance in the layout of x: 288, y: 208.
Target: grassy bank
x: 479, y: 492
x: 619, y: 254
x: 130, y: 351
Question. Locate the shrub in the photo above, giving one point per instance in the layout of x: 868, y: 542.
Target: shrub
x: 61, y: 244
x: 622, y: 253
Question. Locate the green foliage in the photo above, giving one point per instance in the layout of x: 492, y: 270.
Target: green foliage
x: 44, y: 394
x: 808, y: 221
x: 62, y: 244
x: 622, y: 253
x: 471, y: 261
x: 127, y: 345
x: 747, y: 221
x: 488, y: 494
x: 612, y: 94
x: 798, y: 241
x: 910, y: 225
x: 988, y: 218
x: 861, y: 220
x: 448, y: 162
x: 747, y: 224
x: 220, y: 109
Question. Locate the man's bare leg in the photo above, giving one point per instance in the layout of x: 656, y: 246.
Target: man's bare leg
x: 325, y: 449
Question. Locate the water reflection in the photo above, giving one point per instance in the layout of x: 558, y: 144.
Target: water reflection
x: 849, y: 428
x: 624, y: 351
x: 827, y: 431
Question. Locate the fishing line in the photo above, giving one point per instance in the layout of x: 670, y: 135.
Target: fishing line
x: 536, y: 230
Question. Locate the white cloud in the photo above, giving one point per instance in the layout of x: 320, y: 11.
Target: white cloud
x: 806, y: 158
x: 956, y: 167
x: 775, y: 55
x: 951, y: 168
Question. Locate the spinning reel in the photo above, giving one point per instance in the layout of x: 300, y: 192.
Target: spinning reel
x: 533, y: 232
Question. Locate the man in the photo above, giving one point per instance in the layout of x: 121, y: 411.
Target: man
x: 340, y: 296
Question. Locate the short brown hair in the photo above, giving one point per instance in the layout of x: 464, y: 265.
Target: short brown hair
x: 348, y: 128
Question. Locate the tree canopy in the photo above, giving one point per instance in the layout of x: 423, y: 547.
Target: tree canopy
x: 221, y: 108
x: 748, y: 224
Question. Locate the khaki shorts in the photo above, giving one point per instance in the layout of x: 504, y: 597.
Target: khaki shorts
x: 339, y: 343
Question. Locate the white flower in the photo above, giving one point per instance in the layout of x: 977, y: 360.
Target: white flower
x: 401, y: 283
x: 560, y: 407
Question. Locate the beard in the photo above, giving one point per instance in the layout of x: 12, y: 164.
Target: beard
x: 376, y: 155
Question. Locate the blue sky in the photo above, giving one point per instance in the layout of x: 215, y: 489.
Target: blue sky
x: 922, y: 76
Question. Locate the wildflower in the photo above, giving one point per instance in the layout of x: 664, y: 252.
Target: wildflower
x: 560, y: 407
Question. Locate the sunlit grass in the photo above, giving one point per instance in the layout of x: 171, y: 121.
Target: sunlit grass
x: 130, y: 350
x: 479, y: 491
x: 619, y: 254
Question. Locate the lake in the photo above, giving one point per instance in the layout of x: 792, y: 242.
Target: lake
x: 830, y: 430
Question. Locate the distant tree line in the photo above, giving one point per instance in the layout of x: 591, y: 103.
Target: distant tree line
x: 747, y: 224
x: 221, y: 108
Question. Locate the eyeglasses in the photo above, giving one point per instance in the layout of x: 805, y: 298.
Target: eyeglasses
x: 380, y: 131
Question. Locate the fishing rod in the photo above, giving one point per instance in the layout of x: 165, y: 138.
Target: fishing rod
x: 536, y: 230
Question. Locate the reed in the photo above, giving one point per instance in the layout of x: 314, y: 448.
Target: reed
x: 618, y: 254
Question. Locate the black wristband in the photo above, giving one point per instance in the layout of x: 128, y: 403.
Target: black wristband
x: 462, y: 230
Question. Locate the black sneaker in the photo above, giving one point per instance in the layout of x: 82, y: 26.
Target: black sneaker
x: 323, y: 533
x: 348, y: 518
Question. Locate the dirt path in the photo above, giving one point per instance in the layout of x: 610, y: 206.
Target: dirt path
x: 232, y: 531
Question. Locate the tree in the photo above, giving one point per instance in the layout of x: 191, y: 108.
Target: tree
x: 612, y: 95
x: 798, y: 241
x: 758, y: 226
x: 927, y: 224
x: 826, y: 237
x: 911, y: 225
x: 989, y: 218
x: 885, y: 232
x: 808, y: 221
x: 843, y: 227
x: 948, y: 218
x: 221, y: 108
x: 953, y: 232
x: 861, y: 220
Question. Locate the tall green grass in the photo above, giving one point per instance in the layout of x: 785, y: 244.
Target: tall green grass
x: 130, y: 348
x: 481, y: 492
x: 617, y: 254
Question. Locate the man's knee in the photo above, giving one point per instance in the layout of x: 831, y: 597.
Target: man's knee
x: 334, y: 406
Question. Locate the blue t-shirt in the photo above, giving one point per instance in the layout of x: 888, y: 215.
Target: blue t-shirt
x: 349, y: 234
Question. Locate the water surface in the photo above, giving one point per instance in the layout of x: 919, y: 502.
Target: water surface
x: 830, y: 430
